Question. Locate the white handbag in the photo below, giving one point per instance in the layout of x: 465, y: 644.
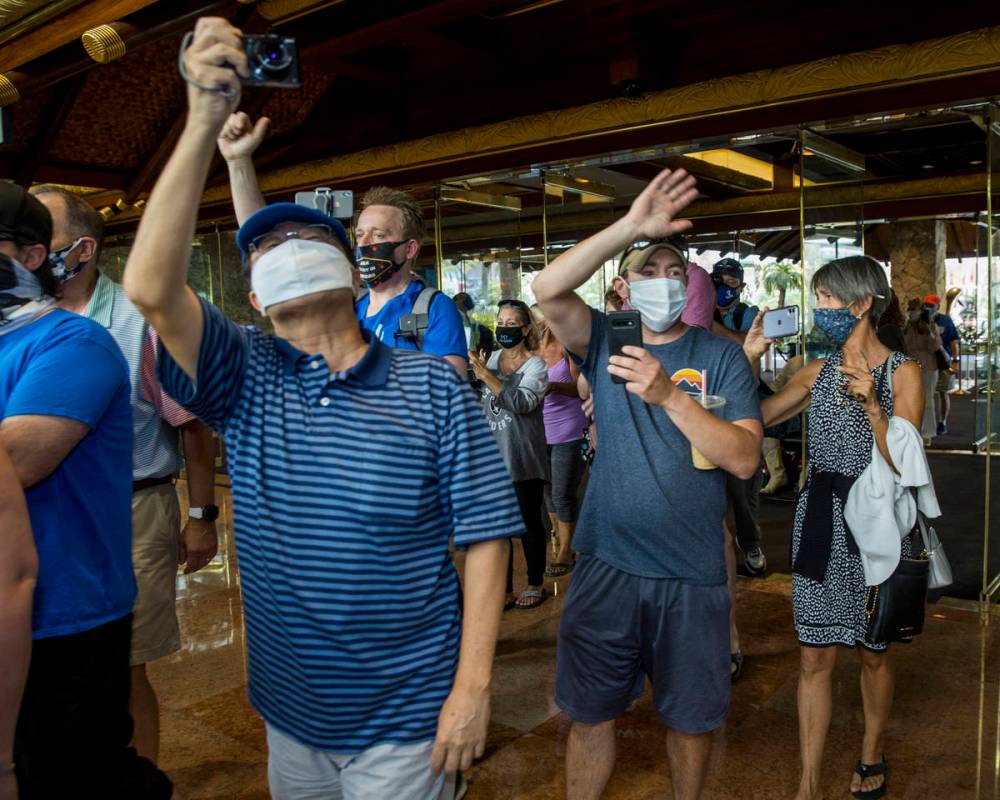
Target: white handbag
x: 939, y: 572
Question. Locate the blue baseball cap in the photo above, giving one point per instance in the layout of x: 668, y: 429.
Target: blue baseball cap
x: 270, y: 216
x: 728, y: 266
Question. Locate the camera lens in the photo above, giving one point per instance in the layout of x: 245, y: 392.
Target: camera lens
x: 270, y: 54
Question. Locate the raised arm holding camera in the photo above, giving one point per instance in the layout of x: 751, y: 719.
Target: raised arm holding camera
x: 650, y: 587
x: 390, y: 695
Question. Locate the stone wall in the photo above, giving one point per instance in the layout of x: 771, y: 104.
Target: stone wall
x: 916, y: 253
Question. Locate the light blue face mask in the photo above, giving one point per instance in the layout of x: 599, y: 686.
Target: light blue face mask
x: 659, y: 301
x: 836, y: 323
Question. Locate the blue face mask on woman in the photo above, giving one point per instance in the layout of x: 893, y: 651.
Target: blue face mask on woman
x: 836, y: 323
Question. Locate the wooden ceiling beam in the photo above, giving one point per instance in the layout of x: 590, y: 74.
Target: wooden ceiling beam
x: 67, y: 174
x: 58, y: 108
x: 402, y: 26
x: 65, y: 29
x: 57, y: 65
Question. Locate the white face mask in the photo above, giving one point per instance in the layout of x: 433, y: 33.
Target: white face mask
x: 297, y: 268
x: 659, y: 301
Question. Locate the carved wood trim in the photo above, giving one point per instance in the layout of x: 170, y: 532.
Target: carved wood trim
x: 891, y: 66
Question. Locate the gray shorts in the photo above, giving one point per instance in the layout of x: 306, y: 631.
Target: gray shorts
x: 617, y: 629
x: 398, y: 771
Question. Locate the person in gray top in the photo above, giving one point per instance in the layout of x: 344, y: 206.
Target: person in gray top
x: 514, y: 383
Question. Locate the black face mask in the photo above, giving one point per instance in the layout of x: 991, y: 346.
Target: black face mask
x: 509, y: 335
x: 376, y: 263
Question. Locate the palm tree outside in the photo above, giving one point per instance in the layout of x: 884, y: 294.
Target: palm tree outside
x: 780, y: 277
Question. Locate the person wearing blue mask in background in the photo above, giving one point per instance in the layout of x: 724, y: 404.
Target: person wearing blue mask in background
x: 851, y: 396
x: 733, y: 318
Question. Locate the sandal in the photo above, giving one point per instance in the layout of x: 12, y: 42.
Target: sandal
x: 557, y: 569
x: 872, y: 771
x: 735, y: 665
x: 535, y: 598
x: 510, y: 602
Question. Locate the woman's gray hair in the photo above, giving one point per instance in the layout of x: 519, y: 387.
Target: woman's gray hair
x: 853, y: 279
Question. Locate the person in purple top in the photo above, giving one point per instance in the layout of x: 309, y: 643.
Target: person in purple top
x: 565, y: 423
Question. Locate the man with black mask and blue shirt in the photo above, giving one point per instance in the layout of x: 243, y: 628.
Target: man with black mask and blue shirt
x: 398, y: 308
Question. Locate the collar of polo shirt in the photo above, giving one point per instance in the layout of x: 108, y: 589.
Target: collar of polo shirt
x: 371, y: 370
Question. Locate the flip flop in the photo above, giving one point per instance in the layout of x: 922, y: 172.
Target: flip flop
x: 536, y: 596
x: 871, y: 771
x: 557, y: 569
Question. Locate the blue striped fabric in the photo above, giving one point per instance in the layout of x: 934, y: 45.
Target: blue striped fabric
x: 346, y: 488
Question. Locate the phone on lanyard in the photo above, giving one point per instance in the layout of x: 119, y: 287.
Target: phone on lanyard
x: 624, y: 328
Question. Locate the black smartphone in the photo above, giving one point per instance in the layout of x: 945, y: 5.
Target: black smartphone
x: 624, y: 328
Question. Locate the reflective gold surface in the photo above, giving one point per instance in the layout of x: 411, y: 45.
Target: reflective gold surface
x: 946, y: 707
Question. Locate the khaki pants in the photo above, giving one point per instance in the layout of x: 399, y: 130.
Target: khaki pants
x: 156, y: 527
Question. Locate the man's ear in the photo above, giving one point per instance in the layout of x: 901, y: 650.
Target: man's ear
x: 621, y: 287
x: 256, y: 303
x: 33, y: 256
x: 412, y: 248
x: 87, y: 248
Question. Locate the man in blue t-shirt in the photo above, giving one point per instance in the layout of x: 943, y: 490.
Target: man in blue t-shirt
x: 66, y: 421
x: 649, y: 595
x: 949, y: 342
x: 388, y: 234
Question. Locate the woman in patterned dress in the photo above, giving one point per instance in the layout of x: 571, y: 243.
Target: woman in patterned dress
x: 850, y: 396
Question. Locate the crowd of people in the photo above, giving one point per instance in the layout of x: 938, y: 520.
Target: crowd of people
x: 379, y: 428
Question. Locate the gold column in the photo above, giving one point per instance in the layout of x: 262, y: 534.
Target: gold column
x: 104, y: 43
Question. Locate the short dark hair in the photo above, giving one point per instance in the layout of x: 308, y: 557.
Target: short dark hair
x: 852, y: 279
x: 81, y: 217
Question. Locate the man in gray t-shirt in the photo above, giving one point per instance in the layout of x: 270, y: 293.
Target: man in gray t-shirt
x: 649, y: 595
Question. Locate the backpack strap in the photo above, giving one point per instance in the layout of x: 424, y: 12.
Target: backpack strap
x: 738, y: 313
x: 420, y: 314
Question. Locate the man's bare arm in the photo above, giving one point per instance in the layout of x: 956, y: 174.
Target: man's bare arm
x: 18, y: 571
x: 38, y: 444
x: 156, y: 273
x: 238, y: 141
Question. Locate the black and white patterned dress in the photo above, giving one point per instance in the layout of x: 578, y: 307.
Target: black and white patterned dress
x: 840, y: 441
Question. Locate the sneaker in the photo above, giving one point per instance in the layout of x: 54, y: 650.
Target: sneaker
x: 755, y: 561
x: 942, y: 428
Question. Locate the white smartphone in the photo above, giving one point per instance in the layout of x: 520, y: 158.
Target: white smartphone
x: 781, y: 322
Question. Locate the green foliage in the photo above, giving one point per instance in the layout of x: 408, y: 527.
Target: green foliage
x: 780, y: 277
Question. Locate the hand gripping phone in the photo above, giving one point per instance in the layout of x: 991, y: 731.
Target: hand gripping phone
x: 624, y: 328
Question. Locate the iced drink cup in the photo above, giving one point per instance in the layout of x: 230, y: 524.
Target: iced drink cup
x: 715, y: 404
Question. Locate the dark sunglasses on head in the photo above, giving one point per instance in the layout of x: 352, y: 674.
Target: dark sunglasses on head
x: 673, y: 241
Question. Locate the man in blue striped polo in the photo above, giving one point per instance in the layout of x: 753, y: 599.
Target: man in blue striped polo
x: 351, y: 464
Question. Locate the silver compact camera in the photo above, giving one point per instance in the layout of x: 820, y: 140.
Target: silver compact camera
x: 336, y: 203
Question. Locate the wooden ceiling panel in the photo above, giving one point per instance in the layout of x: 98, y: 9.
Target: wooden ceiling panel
x: 123, y: 110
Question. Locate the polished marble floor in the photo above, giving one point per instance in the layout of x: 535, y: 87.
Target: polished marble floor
x: 943, y: 740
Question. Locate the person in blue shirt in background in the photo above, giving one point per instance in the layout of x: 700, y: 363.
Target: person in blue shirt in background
x: 397, y: 308
x: 66, y: 422
x: 733, y: 318
x: 949, y: 341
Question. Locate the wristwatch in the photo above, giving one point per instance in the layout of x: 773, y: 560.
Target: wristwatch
x: 205, y: 513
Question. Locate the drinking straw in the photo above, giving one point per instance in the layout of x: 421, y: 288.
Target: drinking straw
x: 704, y: 387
